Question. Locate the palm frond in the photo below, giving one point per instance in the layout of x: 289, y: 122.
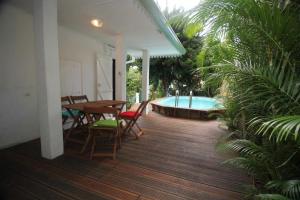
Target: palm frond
x: 249, y: 165
x: 282, y: 128
x: 271, y: 197
x: 290, y: 188
x: 247, y: 148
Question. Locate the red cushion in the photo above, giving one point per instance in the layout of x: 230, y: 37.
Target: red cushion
x: 129, y: 114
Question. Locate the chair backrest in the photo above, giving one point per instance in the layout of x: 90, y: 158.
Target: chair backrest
x: 79, y: 99
x: 65, y: 100
x: 142, y: 107
x: 92, y: 110
x: 120, y: 106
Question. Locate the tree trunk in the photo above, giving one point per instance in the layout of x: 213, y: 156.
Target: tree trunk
x: 165, y: 87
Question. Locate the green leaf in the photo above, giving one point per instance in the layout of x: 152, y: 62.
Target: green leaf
x: 271, y: 197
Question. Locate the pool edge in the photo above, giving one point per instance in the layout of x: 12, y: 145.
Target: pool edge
x: 187, y: 113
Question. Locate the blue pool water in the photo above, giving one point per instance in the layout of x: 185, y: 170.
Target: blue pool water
x: 198, y: 103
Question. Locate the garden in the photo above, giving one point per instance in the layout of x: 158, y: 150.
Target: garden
x: 248, y: 53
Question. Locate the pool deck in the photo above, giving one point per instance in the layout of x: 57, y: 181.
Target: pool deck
x: 174, y: 160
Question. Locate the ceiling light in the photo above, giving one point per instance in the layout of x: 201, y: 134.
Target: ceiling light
x: 97, y: 23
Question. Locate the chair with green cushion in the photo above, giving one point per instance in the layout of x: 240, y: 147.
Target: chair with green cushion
x: 102, y: 127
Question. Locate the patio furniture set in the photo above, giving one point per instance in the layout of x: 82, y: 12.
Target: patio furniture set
x: 104, y: 120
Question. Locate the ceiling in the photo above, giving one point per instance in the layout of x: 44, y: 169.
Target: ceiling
x: 126, y: 17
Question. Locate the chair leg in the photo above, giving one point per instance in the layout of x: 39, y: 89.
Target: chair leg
x: 115, y: 145
x: 93, y: 146
x: 87, y: 141
x: 141, y: 131
x: 69, y: 132
x: 126, y: 126
x: 119, y: 137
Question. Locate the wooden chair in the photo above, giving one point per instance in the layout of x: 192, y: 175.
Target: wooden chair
x: 74, y: 115
x: 131, y: 118
x: 110, y: 127
x: 65, y: 115
x: 79, y: 99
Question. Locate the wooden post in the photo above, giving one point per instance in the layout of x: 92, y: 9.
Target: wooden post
x: 145, y: 78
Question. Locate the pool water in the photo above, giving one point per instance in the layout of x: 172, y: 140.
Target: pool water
x: 199, y: 103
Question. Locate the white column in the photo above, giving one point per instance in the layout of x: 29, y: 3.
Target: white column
x: 120, y: 68
x: 145, y: 77
x: 48, y: 81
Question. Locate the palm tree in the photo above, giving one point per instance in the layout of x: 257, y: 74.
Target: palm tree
x: 264, y: 95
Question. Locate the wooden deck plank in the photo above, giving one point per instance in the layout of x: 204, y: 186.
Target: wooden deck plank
x: 194, y: 165
x: 83, y: 182
x: 53, y: 182
x: 159, y: 179
x: 17, y: 193
x: 175, y: 160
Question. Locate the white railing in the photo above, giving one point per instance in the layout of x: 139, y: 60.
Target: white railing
x: 191, y: 99
x: 176, y: 98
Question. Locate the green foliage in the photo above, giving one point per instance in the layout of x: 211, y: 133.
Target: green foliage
x: 179, y: 71
x: 212, y: 54
x: 192, y: 30
x: 134, y: 84
x: 290, y: 188
x: 258, y: 56
x: 271, y: 197
x: 156, y: 92
x: 283, y: 128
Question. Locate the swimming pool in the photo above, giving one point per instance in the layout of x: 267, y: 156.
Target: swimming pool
x: 201, y: 107
x: 200, y: 103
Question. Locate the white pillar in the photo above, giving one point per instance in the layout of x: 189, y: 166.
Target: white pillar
x: 145, y: 77
x: 48, y: 81
x: 120, y: 68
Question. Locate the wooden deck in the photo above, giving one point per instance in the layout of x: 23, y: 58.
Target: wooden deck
x: 174, y: 160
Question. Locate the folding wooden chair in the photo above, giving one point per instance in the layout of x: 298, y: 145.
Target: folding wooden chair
x: 74, y: 115
x: 65, y: 114
x: 131, y: 118
x: 102, y: 127
x: 79, y: 99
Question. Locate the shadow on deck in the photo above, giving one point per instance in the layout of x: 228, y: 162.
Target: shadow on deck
x: 174, y: 160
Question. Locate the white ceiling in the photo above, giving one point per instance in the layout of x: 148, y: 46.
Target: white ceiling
x: 126, y: 17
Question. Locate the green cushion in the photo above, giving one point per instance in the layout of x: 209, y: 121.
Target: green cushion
x: 110, y: 123
x: 74, y: 112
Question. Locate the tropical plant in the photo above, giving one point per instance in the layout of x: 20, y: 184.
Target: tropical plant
x: 263, y: 97
x: 179, y: 71
x: 134, y: 83
x: 213, y: 52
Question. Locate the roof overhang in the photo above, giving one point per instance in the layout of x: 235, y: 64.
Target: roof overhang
x: 161, y: 21
x: 140, y: 22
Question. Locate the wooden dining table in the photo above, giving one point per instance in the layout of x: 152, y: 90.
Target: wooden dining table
x: 99, y: 103
x: 77, y: 119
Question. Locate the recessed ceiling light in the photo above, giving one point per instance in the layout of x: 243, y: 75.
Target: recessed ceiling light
x: 97, y: 23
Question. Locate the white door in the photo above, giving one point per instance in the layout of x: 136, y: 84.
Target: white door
x: 104, y: 77
x: 70, y: 78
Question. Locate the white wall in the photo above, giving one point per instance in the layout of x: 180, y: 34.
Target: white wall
x: 80, y: 49
x: 18, y: 91
x: 18, y: 97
